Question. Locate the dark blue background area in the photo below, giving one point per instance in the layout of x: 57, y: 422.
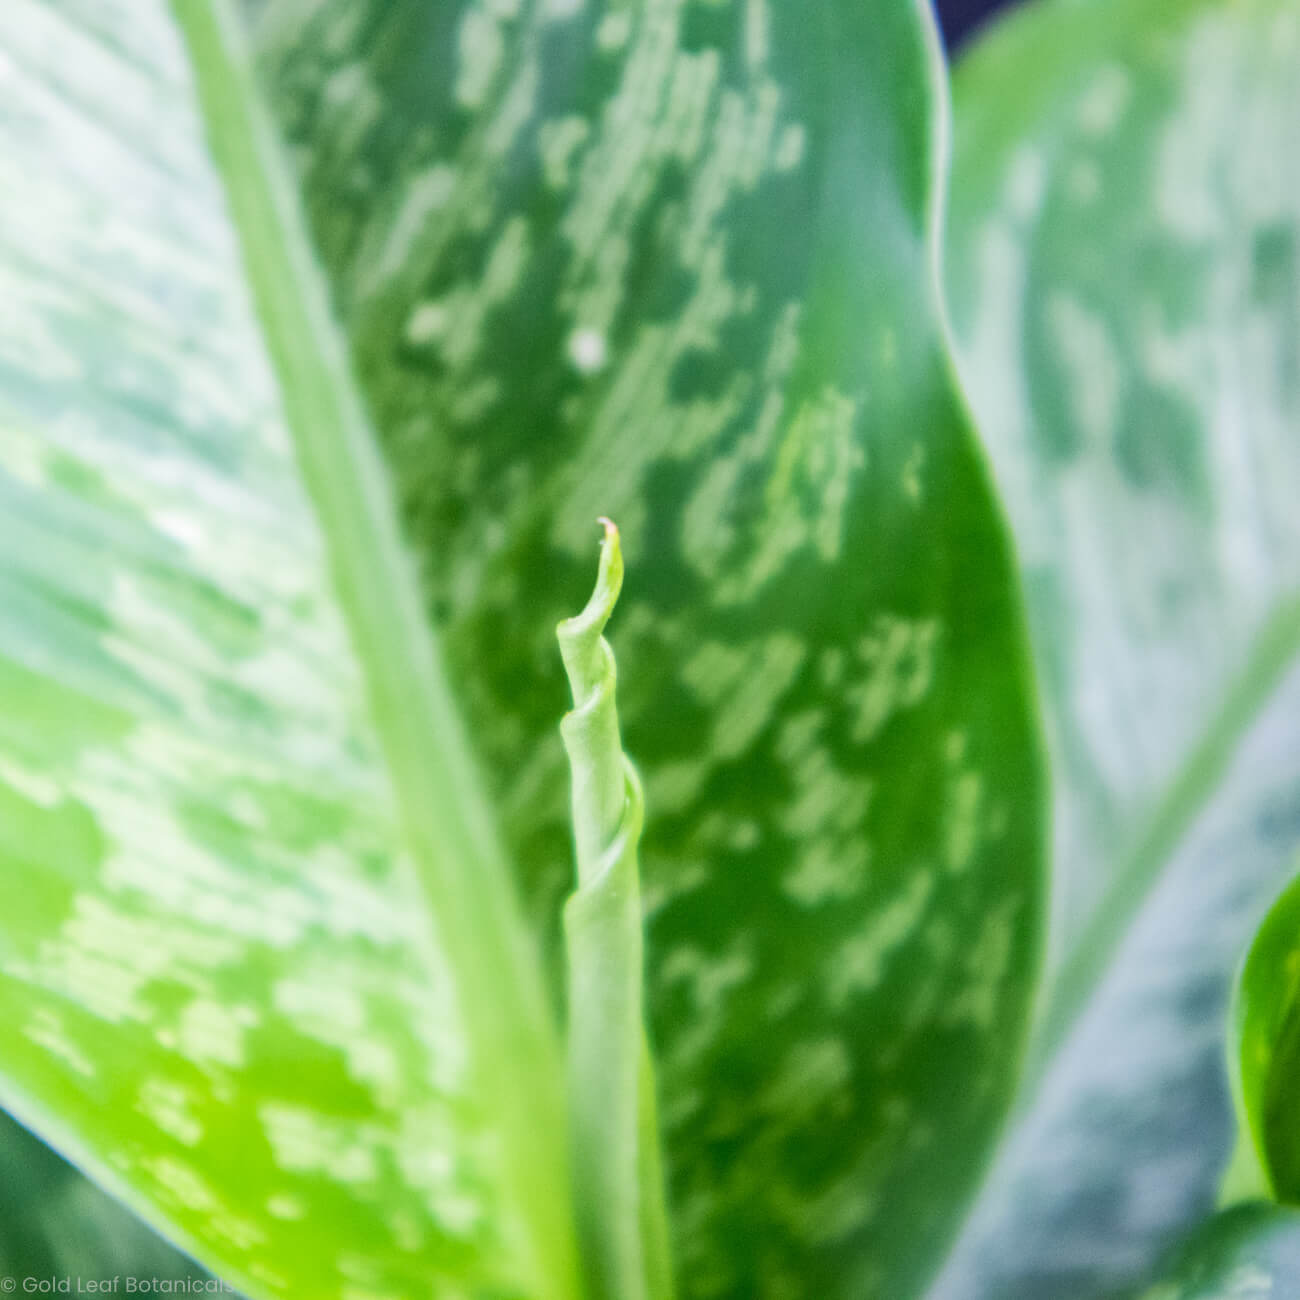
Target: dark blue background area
x: 959, y: 18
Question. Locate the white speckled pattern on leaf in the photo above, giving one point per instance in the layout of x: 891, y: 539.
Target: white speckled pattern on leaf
x: 672, y: 261
x: 219, y: 989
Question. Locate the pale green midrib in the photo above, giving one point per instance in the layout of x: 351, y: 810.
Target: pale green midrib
x: 445, y: 817
x: 1275, y: 648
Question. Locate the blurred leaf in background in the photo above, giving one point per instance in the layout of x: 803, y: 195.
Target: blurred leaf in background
x: 1246, y: 1253
x: 55, y: 1223
x: 1124, y: 273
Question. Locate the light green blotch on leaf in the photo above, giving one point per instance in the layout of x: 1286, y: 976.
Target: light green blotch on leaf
x: 858, y: 966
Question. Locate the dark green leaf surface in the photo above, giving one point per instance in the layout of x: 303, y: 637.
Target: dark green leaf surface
x: 1264, y: 1048
x: 1124, y: 273
x: 1248, y: 1253
x: 672, y: 261
x: 220, y: 991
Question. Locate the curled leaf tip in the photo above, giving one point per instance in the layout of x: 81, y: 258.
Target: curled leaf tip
x: 609, y: 578
x: 579, y: 636
x: 590, y: 730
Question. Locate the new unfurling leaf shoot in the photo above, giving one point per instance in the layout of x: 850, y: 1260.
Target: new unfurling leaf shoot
x: 618, y: 1186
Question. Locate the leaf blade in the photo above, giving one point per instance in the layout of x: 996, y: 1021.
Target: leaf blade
x: 619, y: 268
x: 220, y: 994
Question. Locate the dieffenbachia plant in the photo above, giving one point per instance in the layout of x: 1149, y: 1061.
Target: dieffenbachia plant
x: 307, y: 413
x: 283, y: 869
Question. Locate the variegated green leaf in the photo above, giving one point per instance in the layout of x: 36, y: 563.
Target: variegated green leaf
x: 1249, y: 1253
x: 672, y: 260
x: 225, y: 987
x: 1124, y: 271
